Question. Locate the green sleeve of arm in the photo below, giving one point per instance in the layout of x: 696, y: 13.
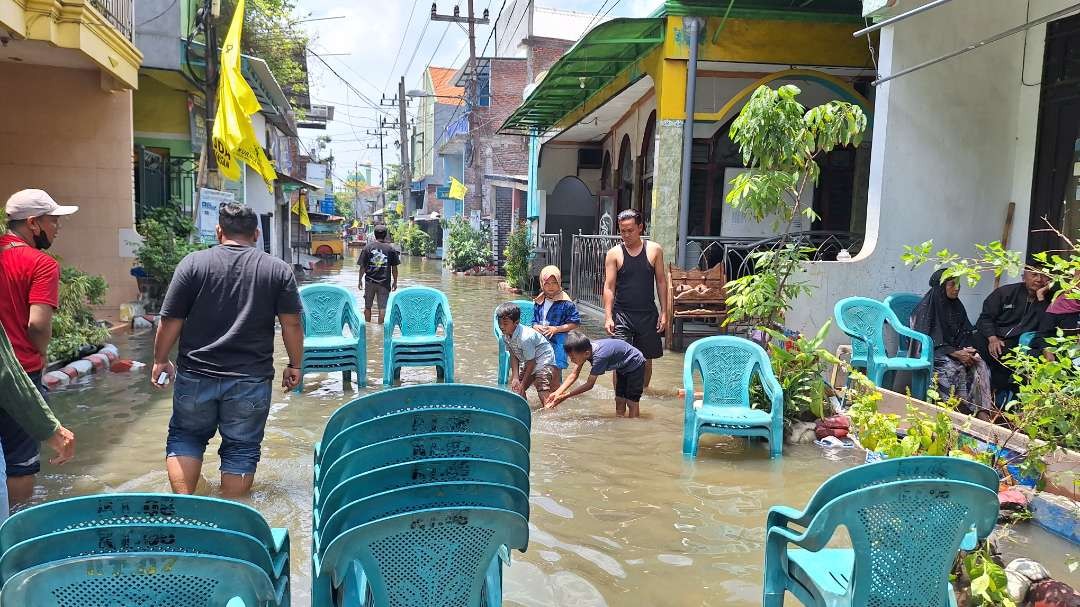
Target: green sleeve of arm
x: 22, y: 401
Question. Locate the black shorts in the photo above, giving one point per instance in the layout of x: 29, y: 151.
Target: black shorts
x: 22, y: 454
x: 376, y: 293
x: 630, y: 384
x: 639, y: 330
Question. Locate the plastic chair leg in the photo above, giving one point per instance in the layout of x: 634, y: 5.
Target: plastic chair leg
x: 300, y: 386
x: 493, y: 583
x: 919, y: 382
x: 776, y: 440
x: 689, y: 441
x: 346, y: 377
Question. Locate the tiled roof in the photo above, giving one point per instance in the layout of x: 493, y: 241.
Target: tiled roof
x: 442, y: 78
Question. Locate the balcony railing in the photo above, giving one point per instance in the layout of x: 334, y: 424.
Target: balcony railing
x: 120, y: 13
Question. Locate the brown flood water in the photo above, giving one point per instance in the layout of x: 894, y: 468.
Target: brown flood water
x: 619, y: 517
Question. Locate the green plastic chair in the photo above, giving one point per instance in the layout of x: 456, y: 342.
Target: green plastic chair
x: 527, y: 308
x: 143, y: 578
x: 418, y: 313
x: 864, y: 320
x: 328, y: 309
x: 441, y: 556
x: 904, y: 536
x: 903, y: 306
x: 726, y: 365
x: 409, y: 423
x: 427, y: 396
x: 886, y: 471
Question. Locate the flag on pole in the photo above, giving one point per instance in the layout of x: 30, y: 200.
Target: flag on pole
x: 234, y: 137
x: 300, y: 207
x: 355, y: 223
x: 457, y: 189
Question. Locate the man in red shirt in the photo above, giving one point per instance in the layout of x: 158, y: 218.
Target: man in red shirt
x: 29, y: 294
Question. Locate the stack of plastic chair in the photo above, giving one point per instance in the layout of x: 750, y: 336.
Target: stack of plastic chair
x: 328, y: 309
x: 420, y: 493
x: 504, y: 355
x: 903, y: 306
x: 864, y: 320
x: 418, y: 313
x: 726, y: 365
x: 906, y: 521
x: 139, y: 549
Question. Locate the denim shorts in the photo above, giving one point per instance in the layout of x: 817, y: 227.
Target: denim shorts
x: 235, y: 407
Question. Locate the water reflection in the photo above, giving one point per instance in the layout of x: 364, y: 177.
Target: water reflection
x: 619, y: 517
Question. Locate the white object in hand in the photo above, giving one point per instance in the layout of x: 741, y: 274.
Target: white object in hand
x: 163, y: 378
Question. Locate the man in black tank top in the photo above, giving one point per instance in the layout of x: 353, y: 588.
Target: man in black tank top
x: 633, y: 277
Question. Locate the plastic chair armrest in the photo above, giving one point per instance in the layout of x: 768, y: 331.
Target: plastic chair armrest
x: 926, y: 349
x: 782, y: 516
x: 772, y: 390
x: 280, y: 536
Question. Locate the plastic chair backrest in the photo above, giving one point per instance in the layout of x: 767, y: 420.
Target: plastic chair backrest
x: 726, y: 364
x: 1027, y: 338
x: 143, y: 578
x: 421, y: 446
x: 417, y: 311
x: 432, y: 557
x: 526, y: 308
x: 133, y: 509
x: 421, y: 497
x: 327, y: 309
x: 423, y: 421
x: 905, y: 536
x: 426, y: 396
x: 903, y: 306
x: 926, y: 467
x: 863, y: 320
x: 119, y: 539
x: 417, y: 473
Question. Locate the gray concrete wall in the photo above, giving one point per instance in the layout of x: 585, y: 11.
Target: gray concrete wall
x: 157, y: 34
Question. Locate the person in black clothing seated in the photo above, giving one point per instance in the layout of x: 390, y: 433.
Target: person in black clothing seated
x: 1009, y: 312
x: 1063, y: 314
x: 959, y: 369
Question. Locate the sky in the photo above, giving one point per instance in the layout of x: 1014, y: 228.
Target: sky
x: 378, y: 41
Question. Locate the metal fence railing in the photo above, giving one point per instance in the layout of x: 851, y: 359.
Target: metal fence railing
x: 704, y: 252
x: 120, y: 13
x: 552, y: 245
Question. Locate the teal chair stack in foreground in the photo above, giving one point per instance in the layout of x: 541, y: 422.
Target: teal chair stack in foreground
x: 328, y: 309
x: 906, y: 523
x: 420, y: 492
x: 135, y: 549
x: 418, y: 313
x: 864, y: 320
x: 526, y: 307
x: 726, y: 364
x: 903, y: 306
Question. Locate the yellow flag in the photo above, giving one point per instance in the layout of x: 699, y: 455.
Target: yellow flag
x: 300, y: 207
x: 355, y: 223
x: 457, y: 189
x: 234, y: 137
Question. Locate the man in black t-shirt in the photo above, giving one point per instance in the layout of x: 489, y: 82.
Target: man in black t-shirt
x: 221, y: 305
x: 379, y: 260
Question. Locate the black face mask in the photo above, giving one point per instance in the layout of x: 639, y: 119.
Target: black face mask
x: 41, y: 241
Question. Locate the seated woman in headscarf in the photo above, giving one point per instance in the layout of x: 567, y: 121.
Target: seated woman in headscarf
x: 555, y: 315
x: 1063, y: 314
x: 960, y: 371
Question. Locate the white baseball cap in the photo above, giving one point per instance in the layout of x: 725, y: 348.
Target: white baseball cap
x: 34, y: 203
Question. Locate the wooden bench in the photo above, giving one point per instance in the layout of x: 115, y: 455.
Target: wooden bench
x: 694, y: 295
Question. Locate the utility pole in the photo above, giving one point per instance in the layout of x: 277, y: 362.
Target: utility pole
x: 472, y: 89
x: 211, y: 9
x: 403, y: 132
x: 382, y: 166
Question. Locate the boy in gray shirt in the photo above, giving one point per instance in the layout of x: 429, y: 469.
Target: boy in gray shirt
x: 532, y: 360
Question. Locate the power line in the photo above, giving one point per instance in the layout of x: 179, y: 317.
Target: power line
x: 404, y: 35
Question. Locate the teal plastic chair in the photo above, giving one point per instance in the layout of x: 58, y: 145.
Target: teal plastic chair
x: 904, y: 536
x: 426, y: 396
x: 408, y: 423
x: 726, y: 365
x: 442, y: 445
x: 142, y: 578
x: 419, y: 497
x: 441, y: 556
x: 126, y: 539
x: 142, y: 509
x: 328, y: 309
x: 419, y: 472
x: 864, y: 320
x: 886, y: 471
x: 526, y: 307
x: 903, y: 306
x: 418, y: 313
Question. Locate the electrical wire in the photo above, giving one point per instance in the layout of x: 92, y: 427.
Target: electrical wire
x: 404, y: 35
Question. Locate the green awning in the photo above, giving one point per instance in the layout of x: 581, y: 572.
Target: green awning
x: 772, y: 9
x: 602, y: 54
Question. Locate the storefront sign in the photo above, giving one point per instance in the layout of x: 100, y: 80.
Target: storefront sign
x: 209, y: 201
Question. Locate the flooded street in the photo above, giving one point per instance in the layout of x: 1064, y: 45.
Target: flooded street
x: 619, y: 517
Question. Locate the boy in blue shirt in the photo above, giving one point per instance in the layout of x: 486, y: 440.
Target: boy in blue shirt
x: 604, y: 355
x: 532, y: 359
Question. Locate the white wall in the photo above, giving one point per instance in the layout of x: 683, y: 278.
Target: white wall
x: 953, y: 145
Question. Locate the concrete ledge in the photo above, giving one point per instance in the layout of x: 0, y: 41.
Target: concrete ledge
x: 1058, y: 515
x: 94, y: 363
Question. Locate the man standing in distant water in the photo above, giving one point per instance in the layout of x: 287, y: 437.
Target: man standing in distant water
x: 633, y: 276
x: 379, y: 262
x: 221, y: 305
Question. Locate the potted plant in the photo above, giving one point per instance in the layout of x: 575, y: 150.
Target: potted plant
x: 167, y: 237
